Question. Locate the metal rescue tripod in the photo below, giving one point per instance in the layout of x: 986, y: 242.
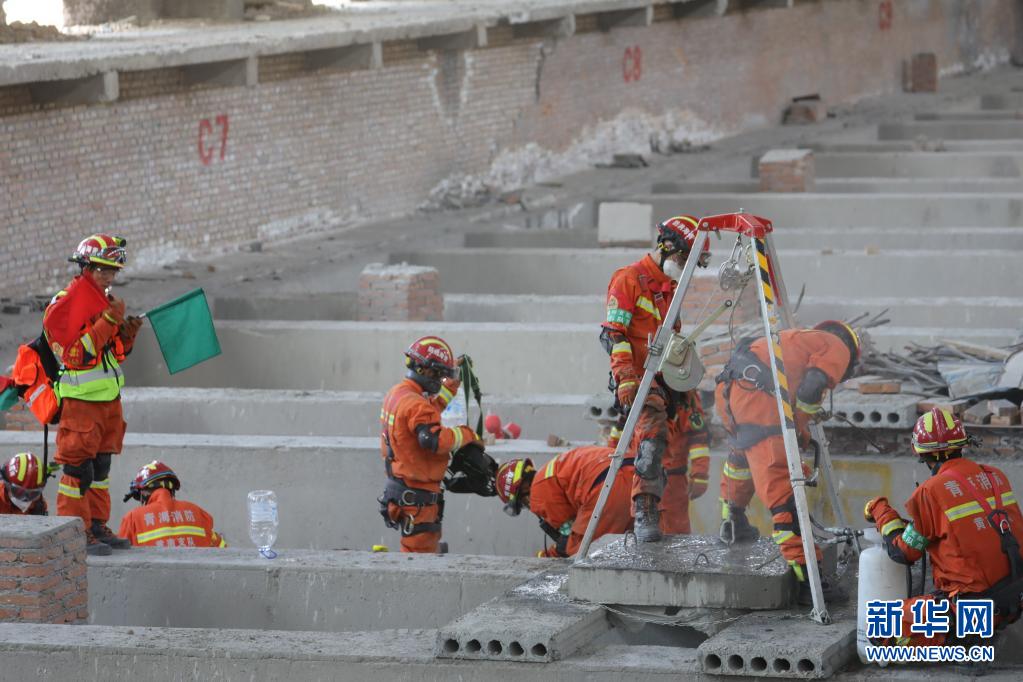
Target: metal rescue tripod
x: 675, y: 357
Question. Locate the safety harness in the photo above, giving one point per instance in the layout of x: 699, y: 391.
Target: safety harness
x: 749, y: 373
x: 1007, y: 593
x: 399, y: 493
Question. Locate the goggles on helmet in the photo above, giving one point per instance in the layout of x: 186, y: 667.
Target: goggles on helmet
x: 22, y: 497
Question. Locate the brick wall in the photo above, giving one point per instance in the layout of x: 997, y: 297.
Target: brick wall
x: 398, y: 293
x: 180, y: 170
x: 787, y: 170
x: 42, y: 570
x: 19, y: 418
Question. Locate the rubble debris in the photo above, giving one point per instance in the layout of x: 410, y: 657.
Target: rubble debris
x: 805, y: 110
x: 874, y: 384
x: 625, y: 161
x: 978, y: 414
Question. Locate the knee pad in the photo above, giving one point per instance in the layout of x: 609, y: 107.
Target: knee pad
x: 648, y: 460
x: 101, y: 466
x: 85, y: 473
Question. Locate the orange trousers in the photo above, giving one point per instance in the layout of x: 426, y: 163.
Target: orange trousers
x: 675, y: 505
x: 649, y: 443
x: 421, y: 543
x: 86, y: 430
x: 767, y: 474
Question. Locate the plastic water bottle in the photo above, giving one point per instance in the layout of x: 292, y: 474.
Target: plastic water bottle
x: 456, y: 412
x: 880, y: 578
x: 263, y: 521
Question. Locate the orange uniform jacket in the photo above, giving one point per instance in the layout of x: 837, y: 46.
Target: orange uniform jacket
x: 408, y: 419
x: 947, y: 522
x: 688, y: 440
x: 566, y: 489
x: 7, y: 507
x: 638, y: 297
x: 166, y: 521
x: 86, y: 351
x: 801, y: 350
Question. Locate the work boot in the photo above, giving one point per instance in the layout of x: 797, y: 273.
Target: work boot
x: 103, y: 534
x: 737, y: 528
x: 648, y: 518
x: 94, y: 547
x: 832, y: 591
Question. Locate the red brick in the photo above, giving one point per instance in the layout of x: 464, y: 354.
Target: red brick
x: 77, y: 599
x: 19, y: 599
x: 41, y: 584
x: 8, y: 555
x: 9, y: 612
x: 25, y: 571
x: 33, y: 556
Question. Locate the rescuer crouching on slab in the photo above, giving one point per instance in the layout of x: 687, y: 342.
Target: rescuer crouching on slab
x: 163, y: 520
x: 563, y: 494
x: 23, y: 482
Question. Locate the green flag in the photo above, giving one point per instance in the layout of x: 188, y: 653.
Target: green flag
x: 184, y: 330
x: 8, y: 398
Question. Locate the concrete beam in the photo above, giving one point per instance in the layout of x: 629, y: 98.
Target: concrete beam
x: 101, y: 88
x: 347, y: 58
x: 698, y: 9
x: 948, y: 164
x: 231, y: 73
x: 625, y: 18
x: 534, y: 622
x: 684, y: 571
x: 301, y: 590
x: 563, y: 27
x: 470, y: 39
x: 1002, y: 100
x: 951, y: 130
x: 787, y: 645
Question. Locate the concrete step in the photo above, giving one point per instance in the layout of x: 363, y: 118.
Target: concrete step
x: 928, y: 146
x: 825, y: 272
x: 921, y: 311
x: 510, y: 358
x: 327, y: 413
x: 857, y: 185
x: 582, y: 237
x: 340, y: 305
x: 1002, y: 100
x: 951, y: 130
x: 919, y: 165
x: 881, y: 239
x: 844, y: 210
x: 1001, y: 114
x: 523, y: 308
x: 310, y: 590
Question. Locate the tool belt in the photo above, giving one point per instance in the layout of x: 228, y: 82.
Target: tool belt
x: 746, y: 369
x: 677, y: 471
x: 403, y: 496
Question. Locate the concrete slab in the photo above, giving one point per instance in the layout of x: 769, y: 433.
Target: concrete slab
x: 340, y: 305
x: 300, y: 590
x: 896, y: 411
x: 534, y: 622
x: 840, y: 210
x: 94, y: 653
x: 881, y: 239
x: 883, y: 186
x: 625, y: 224
x: 270, y: 412
x: 684, y: 571
x: 980, y: 312
x: 920, y: 164
x: 578, y: 309
x: 576, y: 238
x: 951, y: 130
x: 786, y: 645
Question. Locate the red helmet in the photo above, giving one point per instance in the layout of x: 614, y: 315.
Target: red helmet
x: 848, y: 336
x: 24, y: 478
x: 510, y: 477
x: 679, y: 233
x: 432, y: 352
x: 156, y: 474
x: 101, y: 249
x: 939, y: 434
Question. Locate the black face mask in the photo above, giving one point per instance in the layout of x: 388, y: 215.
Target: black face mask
x: 429, y: 384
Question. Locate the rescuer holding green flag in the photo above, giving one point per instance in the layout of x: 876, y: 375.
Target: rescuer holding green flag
x: 90, y: 336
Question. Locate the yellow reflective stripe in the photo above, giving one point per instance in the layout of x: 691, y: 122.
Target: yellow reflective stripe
x: 390, y: 420
x: 627, y: 383
x: 445, y: 394
x: 646, y: 304
x: 223, y: 543
x: 929, y: 422
x: 22, y: 466
x: 949, y: 421
x: 90, y: 347
x: 698, y: 452
x: 549, y: 469
x: 36, y: 393
x: 737, y: 473
x: 699, y: 480
x: 69, y: 491
x: 799, y: 570
x: 897, y: 524
x: 457, y: 433
x: 102, y: 242
x: 780, y: 536
x: 168, y: 531
x: 101, y: 485
x: 622, y: 347
x: 970, y: 508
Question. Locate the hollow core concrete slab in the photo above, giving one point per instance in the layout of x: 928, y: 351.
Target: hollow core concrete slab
x: 683, y: 571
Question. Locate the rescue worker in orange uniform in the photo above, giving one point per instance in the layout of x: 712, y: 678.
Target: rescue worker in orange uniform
x: 638, y: 298
x: 22, y: 491
x: 686, y: 462
x: 416, y: 447
x: 564, y: 492
x: 815, y: 361
x: 163, y: 520
x: 966, y: 517
x: 89, y: 386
